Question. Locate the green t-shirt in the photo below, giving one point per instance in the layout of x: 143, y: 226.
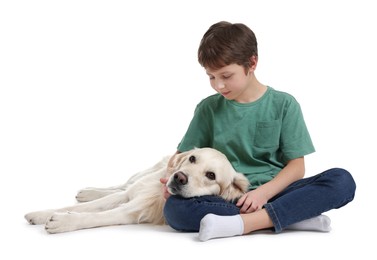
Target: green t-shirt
x: 258, y: 138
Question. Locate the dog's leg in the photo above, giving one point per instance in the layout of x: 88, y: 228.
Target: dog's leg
x: 91, y: 193
x: 144, y: 204
x: 70, y: 221
x: 109, y: 202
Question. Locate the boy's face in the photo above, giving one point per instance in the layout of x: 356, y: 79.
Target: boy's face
x: 231, y: 81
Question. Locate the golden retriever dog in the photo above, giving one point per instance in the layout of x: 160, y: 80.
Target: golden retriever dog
x: 201, y: 171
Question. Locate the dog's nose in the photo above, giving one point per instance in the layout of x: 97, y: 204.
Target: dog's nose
x: 180, y: 178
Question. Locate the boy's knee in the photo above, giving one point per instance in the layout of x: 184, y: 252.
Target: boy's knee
x: 177, y: 214
x: 345, y: 178
x: 169, y: 213
x: 344, y: 181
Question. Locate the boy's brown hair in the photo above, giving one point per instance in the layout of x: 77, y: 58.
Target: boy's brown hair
x: 225, y: 43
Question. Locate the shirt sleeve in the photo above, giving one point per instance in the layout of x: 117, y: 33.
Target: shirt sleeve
x: 198, y: 132
x: 295, y: 139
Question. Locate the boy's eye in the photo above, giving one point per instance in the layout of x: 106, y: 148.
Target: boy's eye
x: 226, y: 76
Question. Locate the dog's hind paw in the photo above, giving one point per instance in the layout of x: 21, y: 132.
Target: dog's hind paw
x: 89, y: 194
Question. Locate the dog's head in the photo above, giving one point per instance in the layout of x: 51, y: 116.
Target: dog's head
x: 205, y: 171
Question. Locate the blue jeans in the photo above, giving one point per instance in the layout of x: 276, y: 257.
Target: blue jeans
x: 303, y: 199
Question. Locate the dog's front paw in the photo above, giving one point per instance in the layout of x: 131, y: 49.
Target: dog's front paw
x: 62, y: 222
x: 39, y: 217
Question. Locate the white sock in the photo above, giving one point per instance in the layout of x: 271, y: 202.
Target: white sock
x: 319, y: 223
x: 214, y: 226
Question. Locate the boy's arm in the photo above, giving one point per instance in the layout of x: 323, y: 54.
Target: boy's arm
x: 255, y: 199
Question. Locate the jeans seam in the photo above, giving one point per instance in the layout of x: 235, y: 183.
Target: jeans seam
x: 217, y: 204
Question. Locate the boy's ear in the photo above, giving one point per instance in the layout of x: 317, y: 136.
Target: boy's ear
x: 253, y: 63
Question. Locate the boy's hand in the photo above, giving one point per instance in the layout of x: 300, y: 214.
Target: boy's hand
x: 251, y: 201
x: 165, y: 191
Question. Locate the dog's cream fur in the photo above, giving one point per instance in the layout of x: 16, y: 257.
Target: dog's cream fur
x: 198, y: 172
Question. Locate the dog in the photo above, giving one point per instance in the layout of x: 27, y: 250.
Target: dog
x: 198, y: 172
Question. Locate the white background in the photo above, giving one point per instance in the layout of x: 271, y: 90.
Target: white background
x: 93, y: 91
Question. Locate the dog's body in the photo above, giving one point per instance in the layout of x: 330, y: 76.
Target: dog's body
x: 198, y: 172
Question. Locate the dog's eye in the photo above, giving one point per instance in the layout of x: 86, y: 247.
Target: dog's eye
x: 192, y: 159
x: 211, y: 175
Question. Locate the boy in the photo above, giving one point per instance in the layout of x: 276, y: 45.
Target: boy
x: 263, y: 134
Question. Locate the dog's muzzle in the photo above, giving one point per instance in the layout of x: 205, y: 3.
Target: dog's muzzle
x: 179, y: 179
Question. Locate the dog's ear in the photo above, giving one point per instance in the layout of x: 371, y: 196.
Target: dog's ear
x: 237, y: 188
x: 175, y: 162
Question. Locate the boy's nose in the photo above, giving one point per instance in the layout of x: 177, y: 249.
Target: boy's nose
x: 219, y: 85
